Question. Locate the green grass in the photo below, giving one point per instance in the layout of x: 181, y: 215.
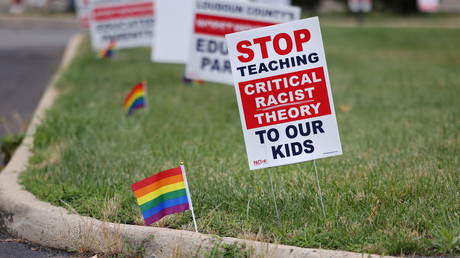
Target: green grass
x: 396, y: 189
x: 8, y: 145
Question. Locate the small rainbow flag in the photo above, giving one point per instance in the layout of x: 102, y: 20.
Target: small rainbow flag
x: 136, y: 98
x: 108, y: 51
x: 188, y: 81
x: 163, y: 194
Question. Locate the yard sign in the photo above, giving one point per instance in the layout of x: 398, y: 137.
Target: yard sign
x: 128, y: 22
x: 83, y: 12
x: 279, y: 2
x: 429, y: 6
x: 360, y: 6
x: 172, y: 43
x: 283, y: 93
x: 208, y: 56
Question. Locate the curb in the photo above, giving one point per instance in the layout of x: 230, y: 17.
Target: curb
x: 21, y: 214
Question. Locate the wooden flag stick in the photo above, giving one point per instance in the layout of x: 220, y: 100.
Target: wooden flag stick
x: 273, y: 194
x: 188, y: 194
x: 319, y: 190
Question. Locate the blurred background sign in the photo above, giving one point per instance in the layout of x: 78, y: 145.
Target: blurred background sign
x: 279, y: 2
x: 83, y: 11
x: 360, y: 6
x: 173, y: 45
x: 428, y: 6
x: 127, y: 22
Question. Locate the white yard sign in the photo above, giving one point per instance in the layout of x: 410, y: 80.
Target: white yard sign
x: 83, y: 10
x: 128, y: 22
x: 284, y: 95
x: 278, y: 2
x: 360, y: 6
x: 429, y: 6
x: 208, y: 56
x: 173, y: 27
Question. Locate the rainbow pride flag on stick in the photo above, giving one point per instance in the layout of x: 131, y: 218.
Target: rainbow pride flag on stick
x: 108, y: 51
x: 163, y: 194
x: 137, y: 98
x: 188, y: 81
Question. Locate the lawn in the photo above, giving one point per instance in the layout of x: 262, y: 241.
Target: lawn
x: 396, y: 189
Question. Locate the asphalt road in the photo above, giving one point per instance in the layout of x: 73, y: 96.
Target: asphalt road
x: 12, y: 248
x: 30, y: 51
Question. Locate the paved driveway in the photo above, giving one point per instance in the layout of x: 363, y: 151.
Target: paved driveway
x: 30, y: 51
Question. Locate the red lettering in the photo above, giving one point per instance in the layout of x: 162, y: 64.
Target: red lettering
x: 276, y: 43
x: 242, y: 47
x: 282, y: 44
x: 263, y: 45
x: 300, y: 37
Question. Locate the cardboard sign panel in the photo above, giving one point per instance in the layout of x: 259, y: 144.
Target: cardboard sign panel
x: 83, y: 10
x: 172, y: 43
x: 428, y: 6
x: 208, y: 55
x: 284, y: 95
x: 128, y: 22
x: 360, y: 6
x: 278, y: 2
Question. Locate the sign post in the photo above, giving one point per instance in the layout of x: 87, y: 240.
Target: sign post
x: 320, y: 193
x: 284, y: 96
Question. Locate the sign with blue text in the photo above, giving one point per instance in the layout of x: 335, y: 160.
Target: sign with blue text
x: 173, y: 34
x: 213, y: 19
x: 284, y: 95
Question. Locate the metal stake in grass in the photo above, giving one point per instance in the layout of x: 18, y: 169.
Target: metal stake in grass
x: 188, y: 194
x: 319, y: 190
x: 247, y: 208
x: 146, y: 102
x: 273, y: 194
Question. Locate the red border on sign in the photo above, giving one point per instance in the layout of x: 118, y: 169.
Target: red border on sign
x: 284, y: 98
x: 220, y: 26
x: 123, y: 11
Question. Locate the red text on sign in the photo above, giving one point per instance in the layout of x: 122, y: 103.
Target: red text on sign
x: 219, y: 25
x: 123, y: 11
x: 284, y: 98
x: 282, y: 44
